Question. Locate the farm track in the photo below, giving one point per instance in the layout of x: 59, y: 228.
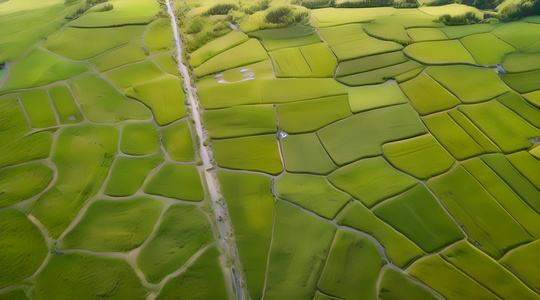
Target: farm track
x: 224, y: 224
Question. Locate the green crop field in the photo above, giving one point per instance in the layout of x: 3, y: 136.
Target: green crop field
x: 269, y: 149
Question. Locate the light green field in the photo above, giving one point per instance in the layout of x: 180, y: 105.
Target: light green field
x: 524, y: 82
x: 217, y: 46
x: 486, y: 271
x: 370, y: 63
x: 128, y: 76
x: 526, y: 165
x: 139, y: 139
x: 47, y: 67
x: 83, y: 155
x: 451, y: 77
x: 395, y: 285
x: 304, y: 153
x: 486, y: 48
x: 273, y: 39
x: 310, y: 115
x: 183, y: 231
x: 422, y: 157
x: 124, y: 12
x: 289, y: 62
x: 304, y: 255
x: 240, y: 121
x: 246, y: 53
x: 176, y: 181
x: 130, y: 53
x: 426, y: 34
x: 37, y: 105
x: 418, y: 215
x: 388, y: 31
x: 64, y: 105
x: 298, y: 89
x: 533, y: 98
x: 202, y: 280
x: 363, y: 134
x: 446, y: 279
x: 20, y: 150
x: 501, y: 125
x: 369, y: 97
x: 521, y: 107
x: 79, y: 44
x: 384, y: 181
x: 400, y: 249
x: 451, y: 136
x: 427, y: 95
x: 524, y: 261
x: 80, y: 275
x: 314, y: 193
x: 163, y: 96
x: 472, y: 130
x: 102, y: 103
x: 331, y: 16
x: 514, y: 179
x: 518, y: 34
x: 158, y: 37
x: 498, y: 232
x: 400, y: 72
x: 524, y: 60
x: 439, y: 52
x: 460, y: 31
x: 128, y: 174
x: 177, y: 142
x: 256, y: 153
x: 349, y: 253
x: 22, y: 248
x: 114, y: 225
x: 23, y: 182
x: 251, y: 207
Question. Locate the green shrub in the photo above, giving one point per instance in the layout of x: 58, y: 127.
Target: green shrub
x: 106, y: 7
x: 251, y: 7
x: 366, y: 3
x: 280, y: 15
x: 439, y: 2
x: 464, y: 19
x: 206, y: 35
x: 483, y: 4
x: 221, y: 9
x: 520, y: 10
x: 196, y: 25
x: 311, y: 4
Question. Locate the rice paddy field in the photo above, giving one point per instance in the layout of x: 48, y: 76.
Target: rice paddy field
x: 276, y: 149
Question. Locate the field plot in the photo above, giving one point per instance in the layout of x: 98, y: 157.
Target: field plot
x: 439, y: 52
x: 486, y: 48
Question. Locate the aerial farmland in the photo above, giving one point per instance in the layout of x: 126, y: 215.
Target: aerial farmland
x: 269, y: 149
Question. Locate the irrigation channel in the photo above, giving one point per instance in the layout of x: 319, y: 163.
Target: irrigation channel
x: 219, y: 206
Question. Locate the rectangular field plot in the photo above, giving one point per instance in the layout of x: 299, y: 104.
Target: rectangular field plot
x: 370, y: 63
x: 255, y: 153
x: 178, y: 181
x: 37, y: 105
x: 524, y: 261
x: 401, y: 72
x: 469, y: 91
x: 501, y: 125
x: 369, y: 97
x: 217, y: 46
x: 473, y: 131
x: 439, y: 52
x: 421, y: 156
x: 420, y: 217
x: 303, y: 153
x: 427, y: 95
x: 240, y: 121
x: 397, y: 285
x: 363, y: 134
x: 274, y: 39
x: 500, y: 165
x: 469, y: 202
x: 123, y: 13
x: 313, y: 193
x: 426, y: 34
x: 400, y: 249
x: 446, y: 279
x: 486, y: 48
x: 371, y: 180
x: 251, y: 206
x: 301, y: 243
x: 139, y: 139
x: 350, y: 41
x: 178, y: 142
x: 509, y: 200
x: 64, y: 105
x: 246, y: 53
x: 527, y: 165
x: 486, y: 271
x: 310, y: 115
x: 314, y: 60
x: 333, y: 16
x: 297, y: 89
x: 349, y: 253
x: 125, y: 77
x: 521, y: 107
x: 130, y: 53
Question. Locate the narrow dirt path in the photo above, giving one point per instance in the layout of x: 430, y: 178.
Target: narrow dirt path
x: 219, y: 207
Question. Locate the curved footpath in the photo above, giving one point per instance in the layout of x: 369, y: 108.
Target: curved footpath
x: 219, y: 206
